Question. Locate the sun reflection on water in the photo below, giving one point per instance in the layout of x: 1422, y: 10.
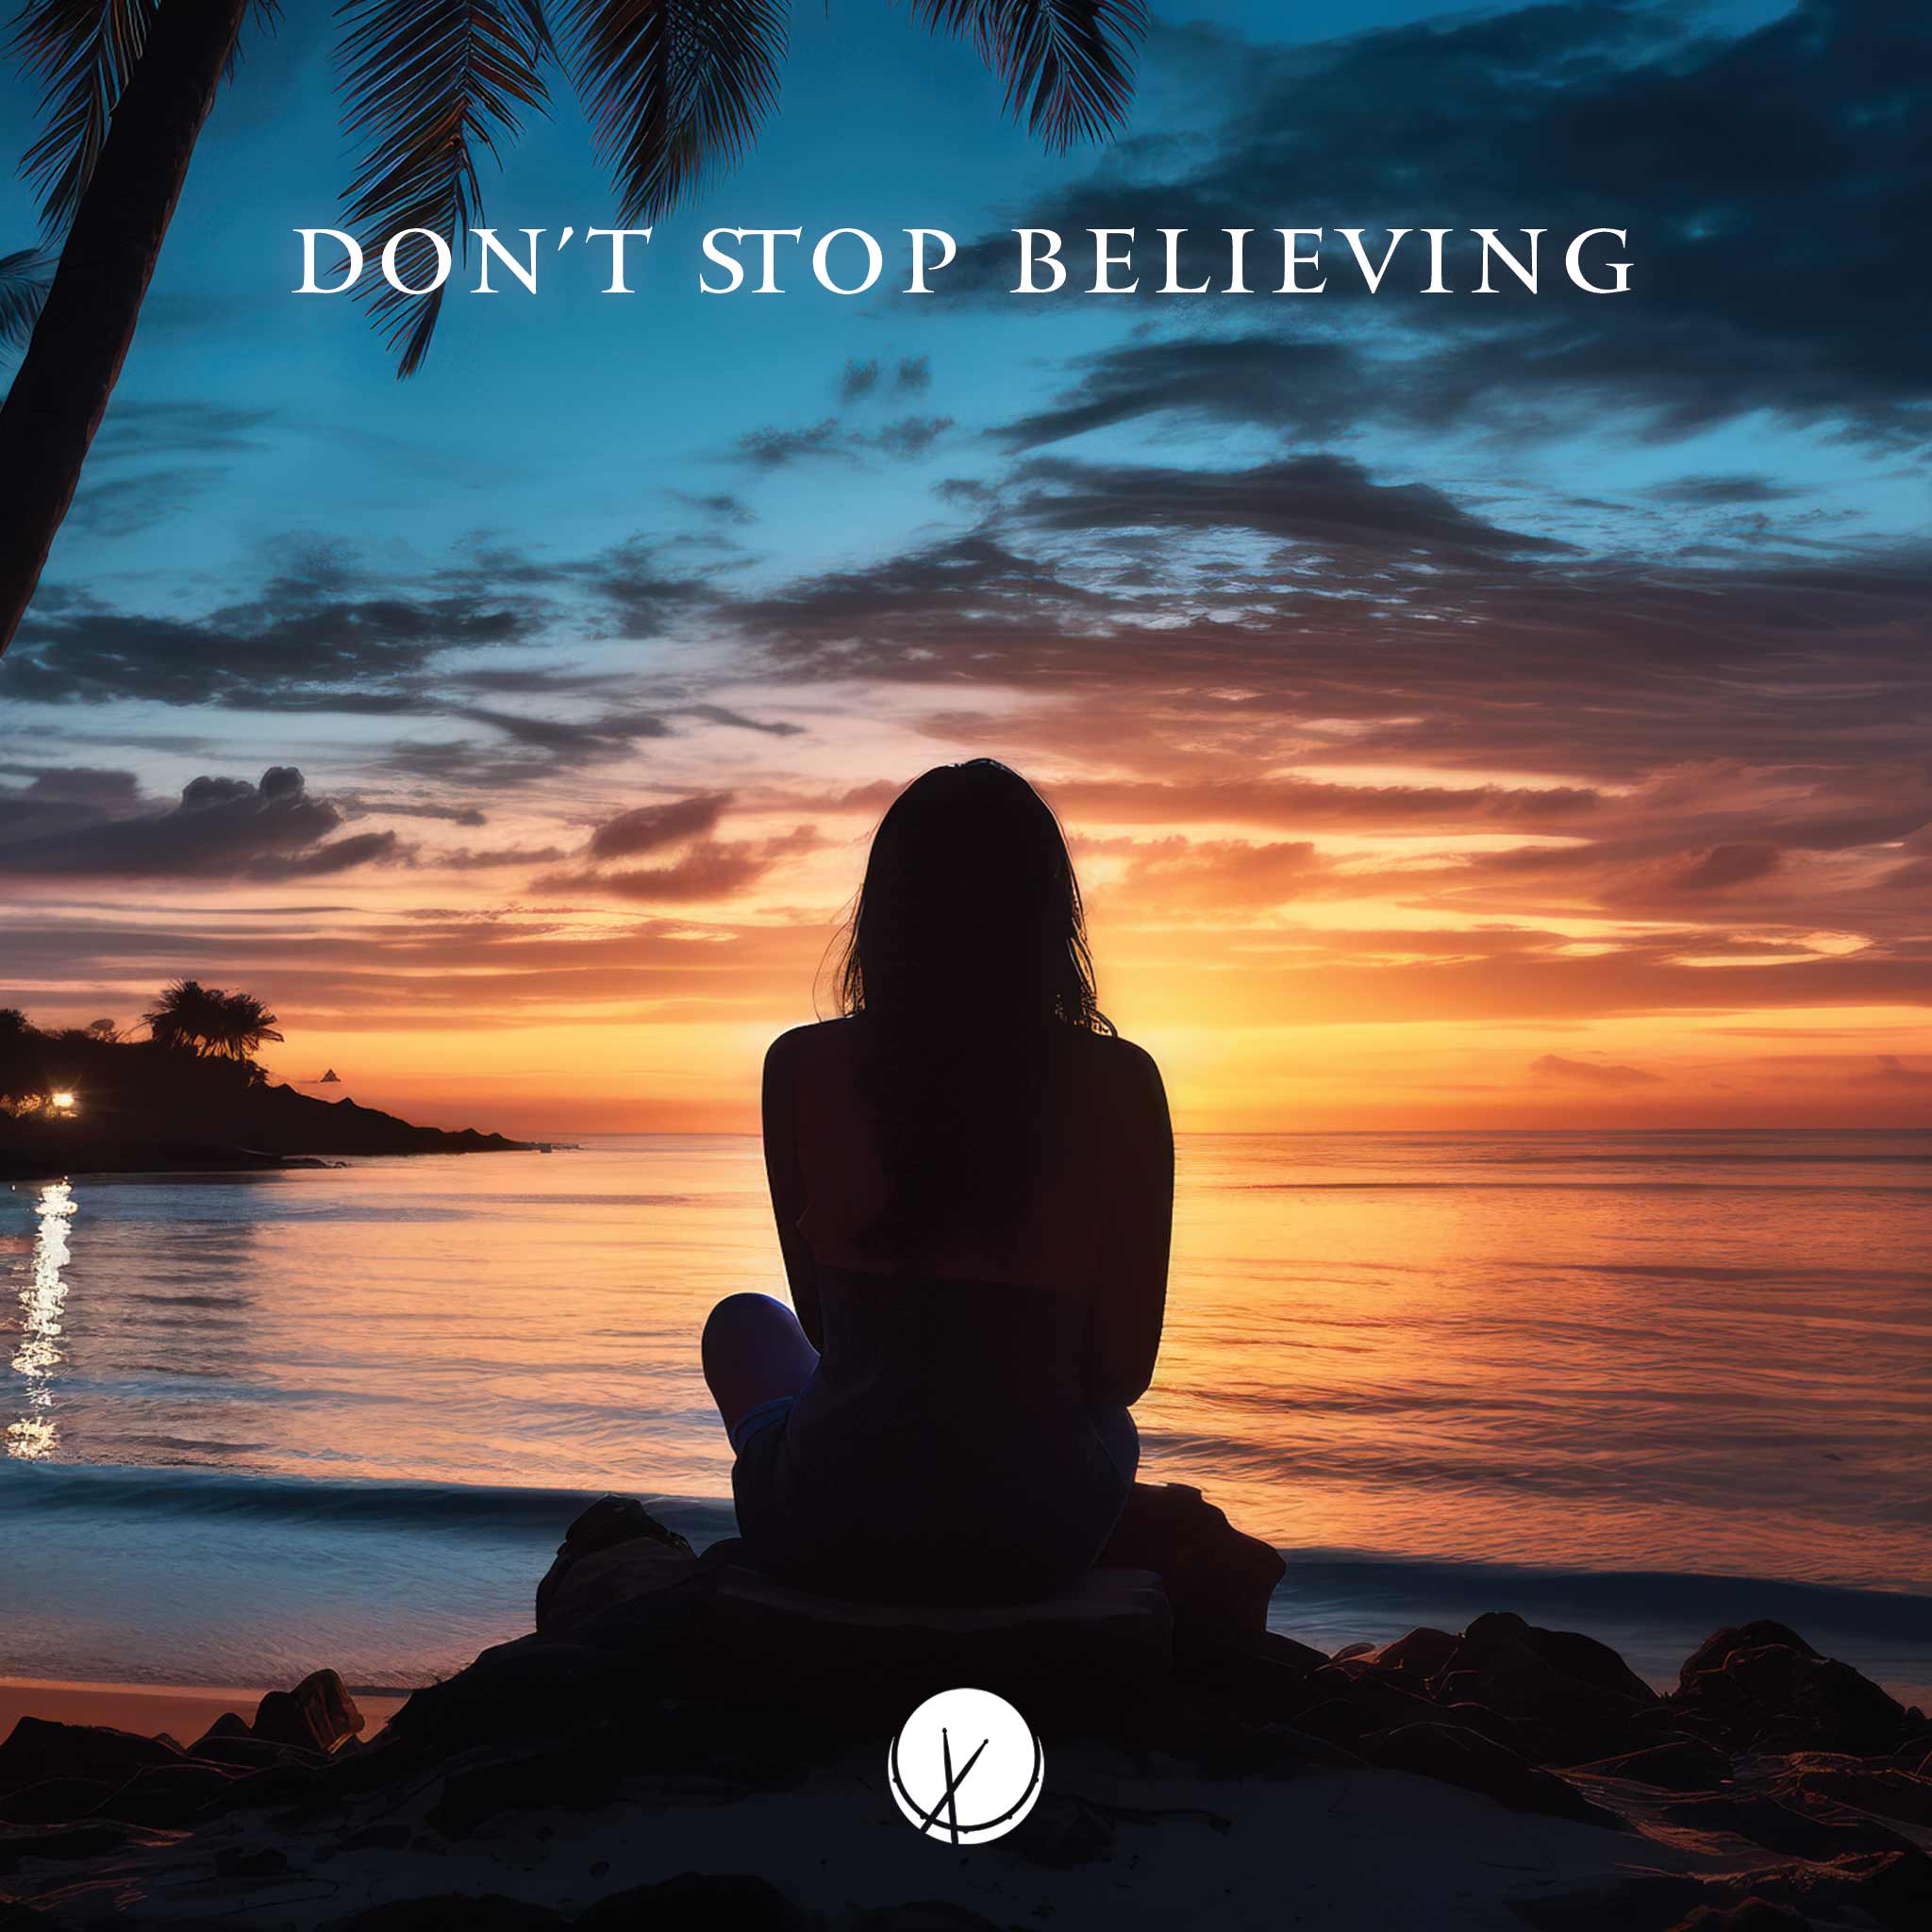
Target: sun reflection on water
x: 33, y: 1436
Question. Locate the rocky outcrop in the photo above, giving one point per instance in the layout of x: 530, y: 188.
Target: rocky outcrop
x: 317, y: 1715
x: 655, y: 1670
x: 1766, y: 1692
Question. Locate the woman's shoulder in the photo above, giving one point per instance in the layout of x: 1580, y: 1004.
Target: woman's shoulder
x: 814, y: 1042
x: 1111, y: 1060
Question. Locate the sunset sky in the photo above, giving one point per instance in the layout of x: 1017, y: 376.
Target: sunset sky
x: 1466, y: 712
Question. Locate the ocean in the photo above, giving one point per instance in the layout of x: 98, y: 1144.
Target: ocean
x: 1635, y: 1384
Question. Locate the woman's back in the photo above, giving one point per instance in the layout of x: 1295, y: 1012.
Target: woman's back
x: 973, y: 1182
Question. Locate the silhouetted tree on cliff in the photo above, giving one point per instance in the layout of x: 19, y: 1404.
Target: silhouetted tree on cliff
x: 208, y: 1023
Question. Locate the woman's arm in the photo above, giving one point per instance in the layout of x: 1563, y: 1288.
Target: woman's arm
x: 787, y: 1180
x: 1130, y: 1298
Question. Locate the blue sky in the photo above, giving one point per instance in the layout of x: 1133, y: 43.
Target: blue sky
x: 1653, y: 562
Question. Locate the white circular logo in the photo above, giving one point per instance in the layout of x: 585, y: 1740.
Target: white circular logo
x: 965, y: 1767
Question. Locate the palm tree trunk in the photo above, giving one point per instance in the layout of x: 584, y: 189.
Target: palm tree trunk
x: 75, y: 357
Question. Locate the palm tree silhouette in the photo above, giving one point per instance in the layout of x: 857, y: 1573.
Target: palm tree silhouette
x: 208, y: 1023
x: 673, y: 88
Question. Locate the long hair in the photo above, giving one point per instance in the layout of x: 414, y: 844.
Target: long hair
x: 966, y: 946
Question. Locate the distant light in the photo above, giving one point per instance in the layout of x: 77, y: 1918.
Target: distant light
x: 63, y: 1103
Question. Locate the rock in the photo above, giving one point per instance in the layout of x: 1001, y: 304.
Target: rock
x: 580, y: 1772
x: 38, y: 1749
x: 1711, y: 1652
x: 1466, y: 1758
x: 248, y: 1753
x: 1422, y: 1653
x: 1685, y: 1764
x: 55, y: 1799
x: 533, y: 1686
x: 231, y: 1723
x: 1381, y: 1701
x: 1777, y: 1697
x: 90, y: 1839
x: 1336, y: 1721
x: 169, y: 1795
x: 1880, y: 1790
x: 1761, y: 1819
x: 317, y: 1714
x: 1092, y: 1647
x: 1573, y: 1697
x: 1751, y: 1915
x: 614, y: 1552
x: 1288, y: 1652
x: 1491, y: 1724
x: 1218, y: 1579
x: 733, y: 1899
x: 491, y: 1912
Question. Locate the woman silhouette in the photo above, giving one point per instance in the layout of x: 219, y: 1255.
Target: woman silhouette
x: 973, y: 1181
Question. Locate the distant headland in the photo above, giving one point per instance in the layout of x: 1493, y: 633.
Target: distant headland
x: 190, y: 1097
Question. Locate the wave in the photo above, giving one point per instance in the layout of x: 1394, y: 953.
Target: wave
x: 1357, y: 1580
x: 37, y: 1495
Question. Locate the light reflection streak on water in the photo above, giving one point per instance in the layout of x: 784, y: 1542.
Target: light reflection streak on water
x: 32, y: 1436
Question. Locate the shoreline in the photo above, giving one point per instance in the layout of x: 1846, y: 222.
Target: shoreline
x: 183, y: 1711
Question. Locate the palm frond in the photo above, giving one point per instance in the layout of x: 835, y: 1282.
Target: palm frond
x: 430, y: 83
x: 81, y: 52
x: 1068, y: 64
x: 25, y: 276
x: 673, y: 89
x: 268, y: 17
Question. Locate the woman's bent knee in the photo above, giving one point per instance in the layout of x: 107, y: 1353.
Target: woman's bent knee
x: 739, y: 1313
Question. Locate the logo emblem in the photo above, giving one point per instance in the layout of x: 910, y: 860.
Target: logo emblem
x: 966, y: 1767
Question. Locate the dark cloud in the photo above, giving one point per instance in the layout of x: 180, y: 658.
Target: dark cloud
x: 226, y: 828
x: 1329, y: 503
x: 1722, y: 491
x: 1892, y: 1072
x: 1303, y: 386
x: 911, y: 435
x: 858, y: 379
x: 1766, y: 179
x: 737, y: 721
x: 774, y: 449
x: 652, y: 828
x: 914, y: 376
x: 722, y: 504
x: 778, y: 449
x: 707, y: 869
x: 1590, y: 1073
x: 1724, y: 866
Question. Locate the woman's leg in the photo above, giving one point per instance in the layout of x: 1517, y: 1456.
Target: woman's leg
x: 1121, y: 1439
x: 757, y: 1358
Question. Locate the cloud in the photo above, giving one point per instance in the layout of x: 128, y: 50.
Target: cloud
x: 910, y: 436
x: 1590, y: 1073
x: 914, y: 376
x: 220, y: 828
x: 1330, y: 503
x: 652, y: 828
x: 1892, y: 1072
x: 708, y: 869
x: 771, y: 448
x: 1728, y: 865
x: 857, y: 379
x: 1764, y: 179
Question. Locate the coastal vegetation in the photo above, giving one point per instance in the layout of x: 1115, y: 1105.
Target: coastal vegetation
x: 190, y: 1095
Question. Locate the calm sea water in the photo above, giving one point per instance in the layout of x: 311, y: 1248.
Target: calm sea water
x: 1639, y: 1384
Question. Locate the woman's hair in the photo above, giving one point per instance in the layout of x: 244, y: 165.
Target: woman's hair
x: 970, y: 909
x: 966, y: 948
